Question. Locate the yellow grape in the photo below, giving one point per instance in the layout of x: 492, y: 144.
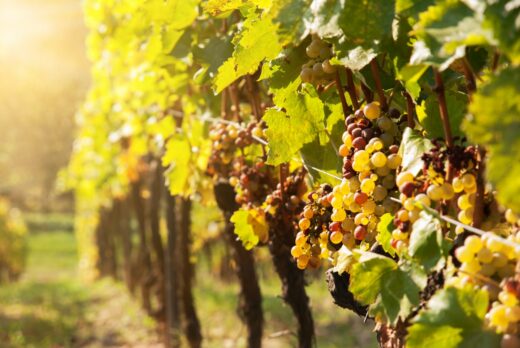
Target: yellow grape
x: 468, y: 180
x: 473, y: 244
x: 507, y: 298
x: 376, y: 143
x: 435, y: 192
x: 403, y: 178
x: 463, y: 254
x: 414, y: 215
x: 378, y: 159
x: 302, y: 262
x: 485, y: 255
x: 458, y: 186
x: 361, y: 156
x: 409, y: 204
x: 336, y: 237
x: 308, y: 213
x: 367, y: 186
x: 423, y: 199
x: 347, y: 139
x: 498, y: 318
x: 397, y: 234
x: 372, y: 110
x: 459, y: 230
x: 463, y: 202
x: 394, y: 161
x: 338, y: 215
x: 494, y: 244
x: 403, y: 215
x: 296, y: 251
x: 337, y: 203
x: 472, y: 266
x: 463, y: 218
x: 344, y: 150
x: 304, y: 223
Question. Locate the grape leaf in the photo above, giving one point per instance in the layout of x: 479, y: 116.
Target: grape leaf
x: 367, y: 22
x: 326, y: 15
x: 430, y: 119
x: 444, y: 30
x: 250, y: 227
x: 257, y: 41
x: 453, y: 318
x: 391, y: 289
x: 427, y: 243
x: 291, y: 15
x: 384, y: 233
x: 345, y: 260
x: 502, y: 17
x: 413, y: 146
x: 496, y: 125
x: 177, y: 158
x: 212, y: 53
x: 410, y: 75
x: 300, y: 124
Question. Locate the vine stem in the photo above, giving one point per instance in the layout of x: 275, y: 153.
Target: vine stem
x: 410, y: 110
x: 369, y: 96
x: 471, y: 83
x: 351, y: 88
x: 379, y: 86
x: 443, y: 111
x: 346, y: 109
x: 478, y: 213
x: 253, y: 96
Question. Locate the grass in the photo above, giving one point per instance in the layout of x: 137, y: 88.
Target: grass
x: 51, y: 307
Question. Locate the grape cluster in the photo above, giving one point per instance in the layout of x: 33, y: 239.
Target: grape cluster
x: 252, y: 182
x: 290, y: 199
x: 318, y: 70
x: 348, y: 213
x: 486, y: 261
x: 312, y: 241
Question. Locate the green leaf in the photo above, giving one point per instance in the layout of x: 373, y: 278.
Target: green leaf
x: 427, y: 243
x: 257, y: 41
x: 413, y: 146
x: 213, y: 53
x: 244, y: 229
x: 410, y: 75
x: 391, y: 289
x: 384, y: 233
x: 353, y: 58
x: 367, y: 23
x: 345, y: 260
x: 300, y: 124
x: 177, y: 158
x: 502, y: 17
x: 444, y: 30
x: 496, y: 125
x: 453, y: 318
x: 291, y: 16
x: 326, y: 15
x: 430, y: 117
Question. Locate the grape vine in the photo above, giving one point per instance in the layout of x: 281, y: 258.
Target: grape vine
x: 377, y: 139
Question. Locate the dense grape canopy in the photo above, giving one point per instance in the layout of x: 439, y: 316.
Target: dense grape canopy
x: 376, y: 138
